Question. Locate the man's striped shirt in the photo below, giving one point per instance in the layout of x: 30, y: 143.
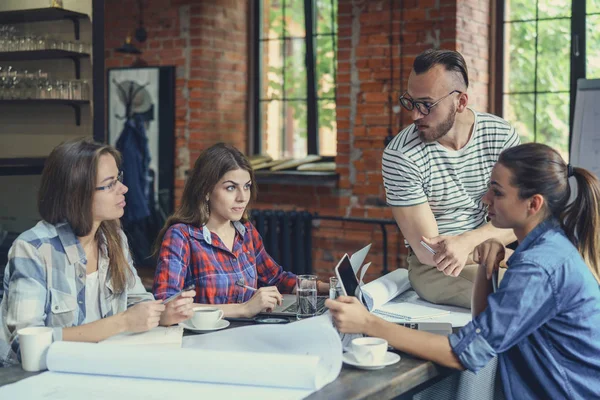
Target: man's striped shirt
x: 453, y: 182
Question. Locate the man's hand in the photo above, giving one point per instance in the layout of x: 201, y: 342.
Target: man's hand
x: 452, y: 253
x: 348, y: 314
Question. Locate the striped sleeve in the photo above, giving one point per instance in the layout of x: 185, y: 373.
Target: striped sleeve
x: 402, y: 180
x: 512, y: 140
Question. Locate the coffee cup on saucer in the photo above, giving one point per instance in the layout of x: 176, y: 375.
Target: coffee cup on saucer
x: 206, y: 317
x: 369, y: 350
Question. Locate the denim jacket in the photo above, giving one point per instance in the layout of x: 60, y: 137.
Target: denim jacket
x: 543, y: 322
x: 44, y: 285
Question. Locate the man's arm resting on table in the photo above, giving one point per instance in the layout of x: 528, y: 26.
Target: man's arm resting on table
x: 425, y: 345
x: 415, y: 222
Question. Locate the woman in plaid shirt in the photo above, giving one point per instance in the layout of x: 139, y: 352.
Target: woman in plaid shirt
x: 210, y: 243
x: 73, y: 271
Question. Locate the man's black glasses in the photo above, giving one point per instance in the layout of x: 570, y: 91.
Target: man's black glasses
x: 421, y: 106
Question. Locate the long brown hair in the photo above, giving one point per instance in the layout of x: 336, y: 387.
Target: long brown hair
x: 539, y: 169
x: 66, y: 195
x: 209, y: 168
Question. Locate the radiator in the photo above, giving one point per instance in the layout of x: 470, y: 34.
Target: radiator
x: 287, y: 236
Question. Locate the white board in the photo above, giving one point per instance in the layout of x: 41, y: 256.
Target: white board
x: 585, y: 142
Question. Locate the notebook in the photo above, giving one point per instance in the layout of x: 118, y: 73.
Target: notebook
x: 289, y: 306
x: 392, y: 298
x: 399, y: 308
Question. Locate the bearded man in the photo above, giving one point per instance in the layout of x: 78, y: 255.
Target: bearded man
x: 435, y: 173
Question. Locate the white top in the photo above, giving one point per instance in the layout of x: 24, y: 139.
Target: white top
x: 92, y: 298
x: 452, y: 182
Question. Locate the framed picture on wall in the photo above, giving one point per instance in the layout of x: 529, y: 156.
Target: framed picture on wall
x: 146, y: 96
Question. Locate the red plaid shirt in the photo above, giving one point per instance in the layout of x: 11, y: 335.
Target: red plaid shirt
x: 195, y: 255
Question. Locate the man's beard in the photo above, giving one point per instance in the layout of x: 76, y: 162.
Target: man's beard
x: 440, y: 130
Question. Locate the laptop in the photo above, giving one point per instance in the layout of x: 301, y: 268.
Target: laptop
x: 288, y: 307
x: 439, y: 328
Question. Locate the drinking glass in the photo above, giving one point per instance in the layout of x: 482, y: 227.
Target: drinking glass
x: 334, y: 288
x: 306, y: 296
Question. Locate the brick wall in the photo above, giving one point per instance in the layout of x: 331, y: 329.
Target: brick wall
x: 207, y: 41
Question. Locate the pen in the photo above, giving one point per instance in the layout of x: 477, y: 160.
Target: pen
x: 432, y: 251
x: 176, y: 295
x: 240, y: 284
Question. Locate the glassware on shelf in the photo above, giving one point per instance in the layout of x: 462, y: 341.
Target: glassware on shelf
x: 13, y: 40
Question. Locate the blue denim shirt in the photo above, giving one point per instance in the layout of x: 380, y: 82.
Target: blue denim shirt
x: 543, y: 322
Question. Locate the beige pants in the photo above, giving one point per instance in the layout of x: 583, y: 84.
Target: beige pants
x: 433, y: 286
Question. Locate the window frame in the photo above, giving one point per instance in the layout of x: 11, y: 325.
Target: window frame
x: 577, y: 57
x: 256, y: 71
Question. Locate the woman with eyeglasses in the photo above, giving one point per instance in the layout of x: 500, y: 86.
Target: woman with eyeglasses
x: 543, y: 321
x: 73, y: 271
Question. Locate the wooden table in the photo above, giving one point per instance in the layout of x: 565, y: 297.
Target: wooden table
x: 401, y: 380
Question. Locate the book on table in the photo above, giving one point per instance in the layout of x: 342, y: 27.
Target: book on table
x: 392, y: 298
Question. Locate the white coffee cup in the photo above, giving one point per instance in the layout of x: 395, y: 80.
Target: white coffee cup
x: 34, y: 343
x: 206, y: 317
x: 368, y: 350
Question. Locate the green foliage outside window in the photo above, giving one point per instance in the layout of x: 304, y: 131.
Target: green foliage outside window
x: 537, y: 79
x: 287, y: 76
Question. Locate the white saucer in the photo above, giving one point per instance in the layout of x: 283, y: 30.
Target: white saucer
x: 389, y: 359
x: 222, y: 324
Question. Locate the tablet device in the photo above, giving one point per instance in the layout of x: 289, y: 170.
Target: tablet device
x: 345, y: 274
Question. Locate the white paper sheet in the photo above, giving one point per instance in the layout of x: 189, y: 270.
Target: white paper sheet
x: 357, y: 259
x: 261, y: 361
x: 163, y: 335
x: 385, y: 288
x: 314, y: 337
x: 63, y: 386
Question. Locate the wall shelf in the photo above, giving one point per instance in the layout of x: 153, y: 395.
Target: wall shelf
x: 75, y: 104
x: 38, y: 15
x: 34, y: 55
x: 42, y: 14
x: 21, y: 166
x: 40, y: 55
x: 294, y: 177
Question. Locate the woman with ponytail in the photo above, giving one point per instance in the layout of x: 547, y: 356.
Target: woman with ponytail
x: 543, y: 321
x: 73, y: 271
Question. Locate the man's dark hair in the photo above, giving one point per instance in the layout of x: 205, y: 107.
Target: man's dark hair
x: 451, y: 60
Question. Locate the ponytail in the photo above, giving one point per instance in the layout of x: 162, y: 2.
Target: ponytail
x: 581, y: 219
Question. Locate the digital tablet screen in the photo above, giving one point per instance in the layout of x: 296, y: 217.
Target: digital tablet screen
x: 347, y: 276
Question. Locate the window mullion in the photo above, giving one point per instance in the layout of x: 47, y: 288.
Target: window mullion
x: 312, y: 142
x: 578, y: 56
x: 256, y: 74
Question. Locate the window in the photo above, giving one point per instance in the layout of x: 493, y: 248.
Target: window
x: 295, y: 78
x: 547, y: 46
